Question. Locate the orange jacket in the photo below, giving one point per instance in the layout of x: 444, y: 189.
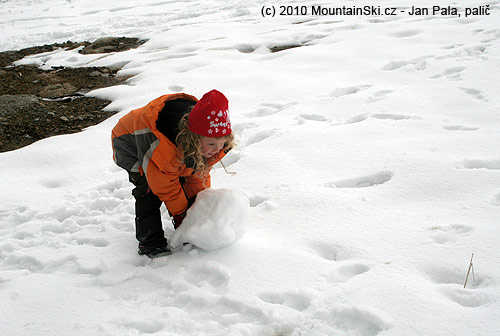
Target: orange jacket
x: 138, y: 146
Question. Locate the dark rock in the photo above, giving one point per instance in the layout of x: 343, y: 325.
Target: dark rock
x: 111, y: 44
x: 279, y: 48
x: 57, y: 90
x: 10, y: 104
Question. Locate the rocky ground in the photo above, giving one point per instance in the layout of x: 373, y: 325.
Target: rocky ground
x: 36, y: 104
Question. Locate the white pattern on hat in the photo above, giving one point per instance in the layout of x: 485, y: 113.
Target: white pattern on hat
x: 210, y: 112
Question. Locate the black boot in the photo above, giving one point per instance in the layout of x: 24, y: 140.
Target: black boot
x: 154, y: 252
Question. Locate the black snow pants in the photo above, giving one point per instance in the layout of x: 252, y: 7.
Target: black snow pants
x: 148, y: 225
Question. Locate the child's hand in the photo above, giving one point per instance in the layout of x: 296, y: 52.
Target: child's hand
x: 177, y: 220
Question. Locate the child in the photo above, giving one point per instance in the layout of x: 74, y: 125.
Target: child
x: 168, y: 148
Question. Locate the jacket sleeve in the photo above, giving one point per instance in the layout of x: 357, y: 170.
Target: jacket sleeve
x: 194, y: 184
x: 164, y: 182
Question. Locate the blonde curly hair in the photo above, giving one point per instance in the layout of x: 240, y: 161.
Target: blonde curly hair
x: 190, y: 143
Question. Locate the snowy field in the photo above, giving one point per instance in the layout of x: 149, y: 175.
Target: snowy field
x: 369, y: 155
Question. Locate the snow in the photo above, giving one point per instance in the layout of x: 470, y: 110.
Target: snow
x: 368, y: 155
x: 218, y: 218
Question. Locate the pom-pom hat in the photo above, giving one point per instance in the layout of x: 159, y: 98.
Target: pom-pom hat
x: 210, y: 116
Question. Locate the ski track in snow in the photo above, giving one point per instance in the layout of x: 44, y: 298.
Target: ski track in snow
x: 341, y: 215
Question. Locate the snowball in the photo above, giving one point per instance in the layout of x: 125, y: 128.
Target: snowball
x: 217, y: 219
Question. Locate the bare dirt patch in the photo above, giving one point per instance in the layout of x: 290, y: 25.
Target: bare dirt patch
x: 36, y: 104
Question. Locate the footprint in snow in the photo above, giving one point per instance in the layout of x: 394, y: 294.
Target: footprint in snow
x: 23, y: 235
x: 246, y: 48
x: 350, y: 27
x: 91, y: 267
x: 360, y: 320
x: 382, y: 93
x: 95, y: 242
x: 394, y: 65
x: 313, y: 23
x: 482, y: 164
x: 297, y: 300
x: 461, y: 52
x: 379, y: 95
x: 495, y: 36
x: 377, y: 21
x: 395, y: 117
x: 53, y: 184
x: 349, y: 90
x: 333, y: 252
x: 312, y: 116
x: 464, y: 296
x: 261, y: 202
x: 256, y: 200
x: 345, y: 272
x: 328, y: 252
x: 201, y: 309
x: 460, y: 128
x: 267, y: 109
x: 64, y: 227
x: 16, y: 216
x: 444, y: 275
x: 450, y: 73
x: 141, y: 326
x: 452, y: 46
x: 209, y: 274
x: 450, y: 282
x: 15, y: 260
x: 34, y: 263
x: 449, y: 233
x: 405, y: 33
x: 417, y: 64
x: 176, y: 88
x: 356, y: 119
x: 301, y: 118
x: 363, y: 181
x: 474, y: 93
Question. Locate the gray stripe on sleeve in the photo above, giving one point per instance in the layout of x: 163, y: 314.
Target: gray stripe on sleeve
x: 148, y: 155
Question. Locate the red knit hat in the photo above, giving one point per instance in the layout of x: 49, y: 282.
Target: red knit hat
x: 210, y: 116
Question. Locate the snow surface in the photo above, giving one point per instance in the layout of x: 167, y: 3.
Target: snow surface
x: 369, y: 155
x: 218, y: 218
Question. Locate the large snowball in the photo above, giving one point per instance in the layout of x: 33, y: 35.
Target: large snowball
x: 218, y: 218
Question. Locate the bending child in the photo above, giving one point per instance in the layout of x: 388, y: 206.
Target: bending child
x: 168, y: 148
